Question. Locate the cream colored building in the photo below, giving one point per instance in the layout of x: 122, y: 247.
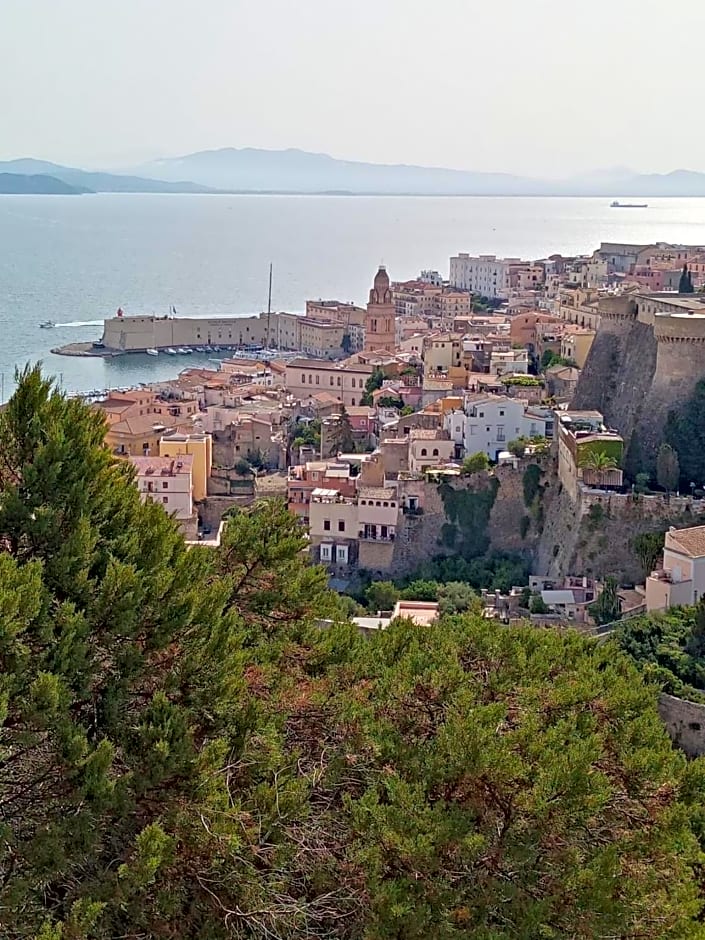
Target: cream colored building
x: 576, y: 343
x: 333, y: 527
x: 321, y: 338
x: 199, y: 446
x: 305, y: 377
x: 442, y: 352
x: 167, y: 481
x: 680, y: 579
x: 429, y: 449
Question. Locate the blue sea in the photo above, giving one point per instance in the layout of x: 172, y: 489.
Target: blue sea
x: 75, y: 259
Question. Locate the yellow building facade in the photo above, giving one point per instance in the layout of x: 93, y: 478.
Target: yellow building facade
x: 200, y: 446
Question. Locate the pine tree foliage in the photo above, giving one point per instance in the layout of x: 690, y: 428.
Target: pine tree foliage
x: 184, y: 752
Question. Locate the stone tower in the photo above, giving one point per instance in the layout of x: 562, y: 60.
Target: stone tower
x: 379, y: 319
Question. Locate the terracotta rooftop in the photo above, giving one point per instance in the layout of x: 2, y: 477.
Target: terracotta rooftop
x: 377, y: 492
x: 162, y: 466
x: 144, y: 424
x: 689, y: 541
x: 326, y: 365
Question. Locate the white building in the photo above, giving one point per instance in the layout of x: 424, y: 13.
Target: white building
x: 680, y: 578
x: 167, y: 480
x: 486, y: 275
x: 489, y: 422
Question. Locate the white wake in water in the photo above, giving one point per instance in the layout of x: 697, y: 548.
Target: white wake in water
x: 80, y: 323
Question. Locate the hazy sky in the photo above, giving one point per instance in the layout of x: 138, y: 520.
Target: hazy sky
x: 528, y: 86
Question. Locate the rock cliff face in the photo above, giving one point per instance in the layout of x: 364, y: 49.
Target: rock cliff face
x: 595, y: 536
x: 531, y: 514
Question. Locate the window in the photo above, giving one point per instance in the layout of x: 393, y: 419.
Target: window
x: 303, y: 379
x: 165, y: 485
x: 481, y: 414
x: 326, y: 525
x: 424, y: 452
x: 341, y: 525
x: 310, y: 380
x: 339, y: 381
x: 501, y: 413
x: 500, y: 433
x: 435, y: 451
x: 165, y: 499
x: 331, y: 380
x: 385, y: 503
x: 326, y: 552
x: 317, y: 379
x: 341, y: 554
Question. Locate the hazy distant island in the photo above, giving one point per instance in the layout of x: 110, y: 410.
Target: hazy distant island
x: 22, y: 184
x: 97, y: 182
x: 255, y: 171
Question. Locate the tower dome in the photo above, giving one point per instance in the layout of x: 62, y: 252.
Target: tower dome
x: 380, y: 293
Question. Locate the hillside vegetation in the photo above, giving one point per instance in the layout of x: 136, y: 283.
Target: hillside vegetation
x: 185, y: 752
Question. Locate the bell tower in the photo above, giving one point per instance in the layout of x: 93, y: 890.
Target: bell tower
x: 380, y: 316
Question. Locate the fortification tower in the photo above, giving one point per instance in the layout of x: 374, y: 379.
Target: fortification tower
x: 680, y: 356
x: 379, y: 319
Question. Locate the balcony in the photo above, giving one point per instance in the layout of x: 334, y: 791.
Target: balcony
x: 368, y: 535
x: 412, y: 510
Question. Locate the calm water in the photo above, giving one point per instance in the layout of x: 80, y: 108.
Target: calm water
x: 74, y: 260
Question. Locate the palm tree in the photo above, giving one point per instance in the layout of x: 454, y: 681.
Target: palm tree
x: 598, y: 460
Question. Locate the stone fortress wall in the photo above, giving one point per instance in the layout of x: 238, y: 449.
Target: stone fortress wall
x: 135, y: 334
x: 646, y: 359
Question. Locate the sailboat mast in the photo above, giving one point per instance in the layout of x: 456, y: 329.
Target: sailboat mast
x: 269, y: 304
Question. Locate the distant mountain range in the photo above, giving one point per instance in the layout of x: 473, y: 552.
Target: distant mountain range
x: 297, y: 171
x: 89, y: 181
x: 22, y: 184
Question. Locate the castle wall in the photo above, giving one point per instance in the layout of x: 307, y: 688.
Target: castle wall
x: 642, y: 365
x: 617, y: 381
x: 685, y: 723
x: 134, y: 334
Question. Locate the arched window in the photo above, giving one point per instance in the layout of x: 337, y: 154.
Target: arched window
x: 435, y: 451
x: 353, y: 402
x: 424, y: 452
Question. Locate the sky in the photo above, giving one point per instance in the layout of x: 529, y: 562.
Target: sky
x: 537, y: 87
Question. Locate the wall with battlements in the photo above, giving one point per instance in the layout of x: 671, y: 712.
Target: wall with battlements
x: 643, y: 364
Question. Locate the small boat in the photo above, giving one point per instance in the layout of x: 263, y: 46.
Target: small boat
x: 47, y: 325
x: 152, y: 352
x: 200, y: 349
x: 169, y: 351
x: 182, y: 351
x: 629, y: 205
